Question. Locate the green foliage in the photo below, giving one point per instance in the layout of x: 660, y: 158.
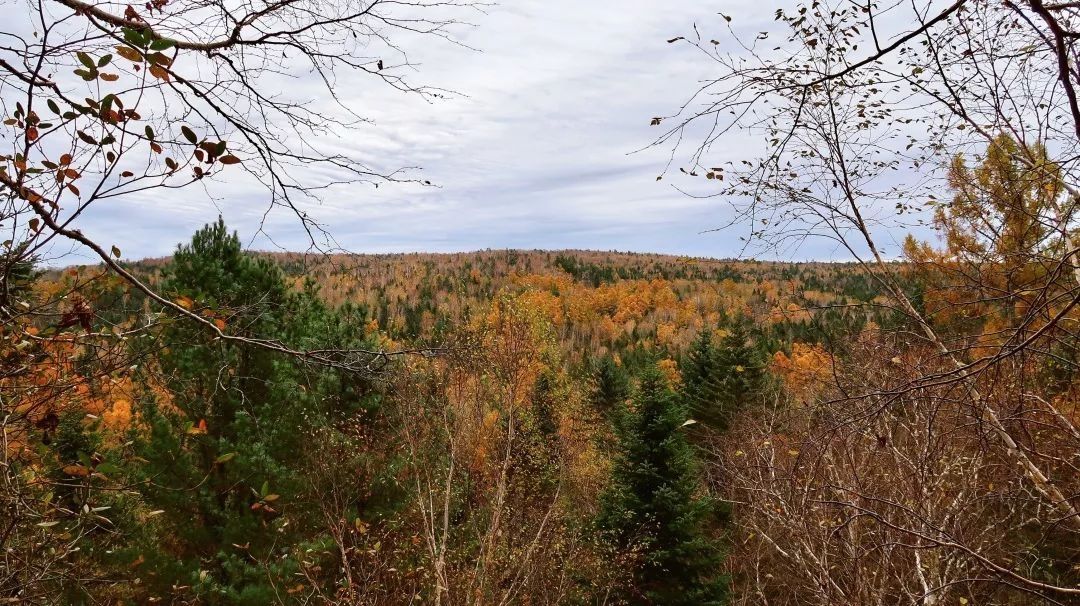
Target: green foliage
x: 719, y: 378
x: 611, y: 384
x: 653, y: 507
x: 221, y: 457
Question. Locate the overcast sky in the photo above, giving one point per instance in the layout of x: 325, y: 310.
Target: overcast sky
x: 536, y: 153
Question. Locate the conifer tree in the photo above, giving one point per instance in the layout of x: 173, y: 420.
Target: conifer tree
x: 702, y: 386
x: 653, y: 506
x: 720, y: 377
x: 222, y: 454
x: 742, y: 368
x: 611, y: 384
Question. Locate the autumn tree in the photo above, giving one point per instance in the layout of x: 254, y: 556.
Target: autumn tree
x: 862, y: 116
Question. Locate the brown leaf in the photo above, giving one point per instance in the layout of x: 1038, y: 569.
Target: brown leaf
x: 159, y: 72
x: 77, y: 470
x: 129, y: 53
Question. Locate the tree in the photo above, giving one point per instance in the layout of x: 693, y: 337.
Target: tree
x: 856, y: 128
x: 654, y: 506
x: 611, y: 384
x: 702, y: 382
x: 220, y: 453
x: 719, y: 379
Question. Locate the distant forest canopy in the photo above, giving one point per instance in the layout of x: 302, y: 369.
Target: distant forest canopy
x: 599, y: 301
x: 524, y: 426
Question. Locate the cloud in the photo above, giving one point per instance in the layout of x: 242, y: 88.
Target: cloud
x: 536, y: 151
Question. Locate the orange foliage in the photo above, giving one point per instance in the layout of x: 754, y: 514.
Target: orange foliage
x: 805, y: 372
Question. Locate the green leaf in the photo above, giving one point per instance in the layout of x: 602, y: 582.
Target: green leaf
x: 53, y: 106
x: 265, y: 490
x: 162, y: 44
x: 107, y: 468
x: 86, y: 60
x: 189, y: 134
x: 104, y: 60
x: 225, y: 457
x: 149, y: 133
x: 133, y: 37
x: 115, y: 251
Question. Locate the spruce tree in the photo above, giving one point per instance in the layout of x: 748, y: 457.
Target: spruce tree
x: 611, y: 384
x: 702, y: 386
x: 653, y: 506
x: 721, y: 377
x: 741, y: 367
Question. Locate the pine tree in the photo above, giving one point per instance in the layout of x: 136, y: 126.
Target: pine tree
x: 611, y: 384
x: 222, y: 454
x: 653, y: 506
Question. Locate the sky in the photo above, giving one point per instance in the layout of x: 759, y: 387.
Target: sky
x: 539, y: 150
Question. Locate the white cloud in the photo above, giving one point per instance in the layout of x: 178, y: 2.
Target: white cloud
x: 534, y: 154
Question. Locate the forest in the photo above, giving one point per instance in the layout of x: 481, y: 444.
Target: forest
x: 228, y: 425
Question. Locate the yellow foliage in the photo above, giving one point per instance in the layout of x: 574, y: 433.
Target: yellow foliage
x: 805, y: 372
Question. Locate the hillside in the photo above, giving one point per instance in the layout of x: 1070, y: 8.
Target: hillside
x: 598, y: 301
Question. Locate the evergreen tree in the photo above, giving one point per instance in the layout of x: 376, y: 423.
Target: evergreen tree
x: 718, y: 378
x: 611, y: 384
x: 222, y: 454
x: 702, y: 387
x: 653, y: 506
x: 742, y: 368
